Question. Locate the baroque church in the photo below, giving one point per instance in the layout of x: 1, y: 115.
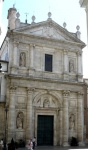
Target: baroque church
x: 44, y: 82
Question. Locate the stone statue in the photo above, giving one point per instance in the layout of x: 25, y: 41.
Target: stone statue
x: 71, y: 66
x: 22, y: 61
x: 19, y: 121
x: 72, y: 122
x: 46, y: 103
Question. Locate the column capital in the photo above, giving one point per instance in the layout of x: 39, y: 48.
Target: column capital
x: 66, y: 93
x: 15, y: 43
x: 79, y: 53
x: 12, y: 88
x: 81, y: 93
x: 30, y: 90
x: 65, y: 52
x: 32, y: 45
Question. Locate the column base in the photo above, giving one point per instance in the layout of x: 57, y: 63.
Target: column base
x: 81, y: 144
x: 66, y: 144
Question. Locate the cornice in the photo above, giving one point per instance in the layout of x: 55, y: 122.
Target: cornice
x: 21, y: 37
x: 13, y: 76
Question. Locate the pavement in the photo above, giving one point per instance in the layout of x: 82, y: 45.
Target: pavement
x: 56, y: 148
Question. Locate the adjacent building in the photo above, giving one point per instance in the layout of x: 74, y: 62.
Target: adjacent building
x: 84, y: 4
x: 44, y: 84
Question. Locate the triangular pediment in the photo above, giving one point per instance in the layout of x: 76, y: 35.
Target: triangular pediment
x: 49, y: 29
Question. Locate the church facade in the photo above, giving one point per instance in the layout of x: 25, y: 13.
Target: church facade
x: 44, y: 83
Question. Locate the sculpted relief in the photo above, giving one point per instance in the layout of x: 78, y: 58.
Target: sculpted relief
x: 19, y: 120
x: 48, y: 31
x: 46, y: 101
x: 72, y: 122
x: 71, y: 66
x: 22, y: 59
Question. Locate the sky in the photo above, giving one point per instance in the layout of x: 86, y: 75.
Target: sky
x: 68, y: 11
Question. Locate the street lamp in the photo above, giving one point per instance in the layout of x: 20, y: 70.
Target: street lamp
x: 5, y: 141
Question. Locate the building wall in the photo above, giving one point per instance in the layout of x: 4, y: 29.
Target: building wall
x: 84, y: 4
x: 32, y: 91
x: 34, y: 97
x: 2, y: 123
x: 86, y: 109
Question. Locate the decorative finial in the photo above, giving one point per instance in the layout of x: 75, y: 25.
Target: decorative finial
x: 49, y: 15
x: 64, y: 24
x: 33, y: 18
x: 26, y: 17
x: 14, y: 5
x: 78, y: 33
x: 17, y: 15
x: 77, y: 27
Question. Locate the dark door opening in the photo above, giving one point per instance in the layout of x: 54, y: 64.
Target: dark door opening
x: 45, y: 130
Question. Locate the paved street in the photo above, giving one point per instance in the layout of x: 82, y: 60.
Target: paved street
x: 56, y: 148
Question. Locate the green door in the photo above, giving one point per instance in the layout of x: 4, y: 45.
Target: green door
x: 45, y: 130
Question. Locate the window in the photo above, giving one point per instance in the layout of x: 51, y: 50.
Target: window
x: 48, y: 62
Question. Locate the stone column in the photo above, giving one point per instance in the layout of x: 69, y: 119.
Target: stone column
x: 65, y: 65
x: 65, y: 118
x: 29, y: 127
x: 61, y: 128
x: 12, y: 115
x: 80, y: 118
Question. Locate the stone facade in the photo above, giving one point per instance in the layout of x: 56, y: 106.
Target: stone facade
x: 31, y: 91
x: 86, y: 110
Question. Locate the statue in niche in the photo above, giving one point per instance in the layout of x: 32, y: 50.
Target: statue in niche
x: 46, y: 103
x: 19, y: 120
x: 22, y: 61
x: 71, y: 66
x: 72, y: 122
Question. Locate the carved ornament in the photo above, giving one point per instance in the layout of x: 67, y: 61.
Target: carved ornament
x: 66, y: 93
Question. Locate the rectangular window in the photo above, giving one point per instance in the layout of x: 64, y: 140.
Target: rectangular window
x: 48, y: 62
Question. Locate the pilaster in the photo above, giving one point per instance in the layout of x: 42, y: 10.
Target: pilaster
x: 87, y: 22
x: 61, y: 127
x: 29, y: 127
x: 80, y: 116
x: 12, y: 115
x: 80, y: 76
x: 14, y: 68
x: 65, y: 118
x: 65, y: 65
x: 31, y: 68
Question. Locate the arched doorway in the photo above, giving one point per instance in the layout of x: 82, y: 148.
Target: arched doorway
x: 46, y: 119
